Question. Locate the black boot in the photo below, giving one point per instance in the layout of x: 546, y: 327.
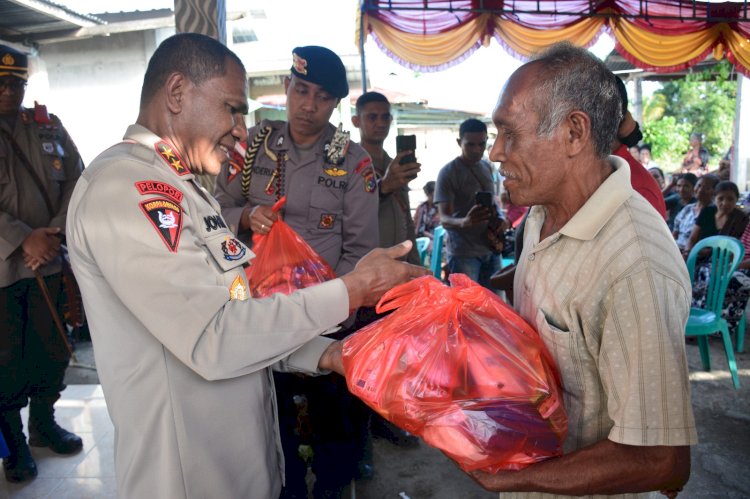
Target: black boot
x: 19, y: 466
x: 45, y: 432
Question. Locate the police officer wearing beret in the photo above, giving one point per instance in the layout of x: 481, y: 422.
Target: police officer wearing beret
x: 39, y: 167
x: 332, y: 202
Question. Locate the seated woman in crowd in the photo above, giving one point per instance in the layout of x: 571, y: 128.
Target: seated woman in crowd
x: 426, y: 218
x: 685, y: 220
x: 678, y: 194
x: 738, y: 290
x: 723, y: 217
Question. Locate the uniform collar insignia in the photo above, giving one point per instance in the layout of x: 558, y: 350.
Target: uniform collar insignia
x: 170, y: 156
x: 337, y: 148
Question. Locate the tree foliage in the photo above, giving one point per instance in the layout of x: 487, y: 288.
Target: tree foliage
x: 701, y: 102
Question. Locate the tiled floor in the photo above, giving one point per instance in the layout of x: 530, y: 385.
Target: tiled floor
x: 88, y: 474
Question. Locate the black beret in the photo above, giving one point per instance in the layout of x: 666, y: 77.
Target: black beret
x: 321, y: 66
x: 13, y: 63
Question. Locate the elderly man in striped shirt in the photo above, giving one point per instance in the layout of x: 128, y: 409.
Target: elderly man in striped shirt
x: 602, y: 280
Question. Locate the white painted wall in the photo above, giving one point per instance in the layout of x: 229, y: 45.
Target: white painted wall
x: 94, y: 85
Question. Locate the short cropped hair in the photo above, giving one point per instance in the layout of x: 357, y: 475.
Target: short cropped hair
x: 198, y: 57
x: 471, y: 125
x: 574, y: 79
x: 368, y: 97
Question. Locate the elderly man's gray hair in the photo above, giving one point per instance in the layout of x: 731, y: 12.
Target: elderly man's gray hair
x: 574, y: 79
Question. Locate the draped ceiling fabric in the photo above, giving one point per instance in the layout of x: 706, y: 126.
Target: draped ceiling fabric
x: 654, y: 35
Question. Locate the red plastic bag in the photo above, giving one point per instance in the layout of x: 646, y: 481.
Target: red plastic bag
x: 458, y: 367
x: 284, y: 262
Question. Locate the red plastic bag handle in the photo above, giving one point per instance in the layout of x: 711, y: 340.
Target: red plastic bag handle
x: 277, y: 206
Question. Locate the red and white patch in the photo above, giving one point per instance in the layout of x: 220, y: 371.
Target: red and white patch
x: 160, y: 188
x: 362, y: 165
x: 166, y: 217
x: 170, y: 156
x: 233, y: 170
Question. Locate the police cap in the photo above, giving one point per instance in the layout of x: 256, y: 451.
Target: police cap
x: 321, y: 66
x: 13, y: 63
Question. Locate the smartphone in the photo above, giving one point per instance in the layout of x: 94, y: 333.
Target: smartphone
x: 483, y: 198
x: 406, y: 143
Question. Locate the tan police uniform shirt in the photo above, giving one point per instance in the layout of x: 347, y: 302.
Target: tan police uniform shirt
x: 183, y: 355
x: 56, y: 162
x: 333, y: 207
x: 610, y: 296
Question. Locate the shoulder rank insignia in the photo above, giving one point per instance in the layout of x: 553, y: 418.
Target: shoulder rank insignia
x: 168, y: 153
x: 336, y: 150
x: 233, y: 249
x: 161, y: 188
x: 166, y: 217
x: 238, y: 290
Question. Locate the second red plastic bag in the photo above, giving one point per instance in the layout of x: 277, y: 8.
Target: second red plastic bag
x: 284, y: 262
x: 458, y: 367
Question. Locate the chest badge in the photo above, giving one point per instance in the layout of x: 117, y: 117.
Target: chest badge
x: 326, y: 221
x: 238, y: 290
x: 334, y: 171
x: 170, y: 156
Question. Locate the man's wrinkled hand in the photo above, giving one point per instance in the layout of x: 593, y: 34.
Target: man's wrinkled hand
x: 377, y: 272
x: 331, y: 359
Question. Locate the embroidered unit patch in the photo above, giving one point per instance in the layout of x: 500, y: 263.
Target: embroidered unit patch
x: 166, y: 217
x: 171, y: 157
x: 233, y: 249
x: 370, y: 183
x: 161, y: 188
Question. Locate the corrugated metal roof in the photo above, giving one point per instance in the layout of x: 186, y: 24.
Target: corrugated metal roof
x: 24, y: 21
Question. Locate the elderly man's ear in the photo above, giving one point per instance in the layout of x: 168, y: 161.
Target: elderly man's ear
x: 578, y: 133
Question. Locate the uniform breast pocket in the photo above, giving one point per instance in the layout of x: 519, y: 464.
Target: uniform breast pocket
x: 326, y: 209
x: 228, y: 253
x: 54, y: 155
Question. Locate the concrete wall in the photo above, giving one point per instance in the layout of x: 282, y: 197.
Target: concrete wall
x: 94, y: 85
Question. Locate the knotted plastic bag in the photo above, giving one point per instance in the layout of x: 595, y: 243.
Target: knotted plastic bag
x: 459, y: 368
x: 284, y: 262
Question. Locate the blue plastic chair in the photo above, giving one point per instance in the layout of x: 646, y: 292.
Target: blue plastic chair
x: 436, y: 260
x: 422, y: 244
x: 726, y: 255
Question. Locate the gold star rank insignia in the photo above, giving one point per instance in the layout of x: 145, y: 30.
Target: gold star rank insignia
x: 170, y: 156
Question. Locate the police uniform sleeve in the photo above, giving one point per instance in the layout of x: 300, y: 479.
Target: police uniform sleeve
x: 182, y: 298
x: 73, y: 166
x: 360, y: 224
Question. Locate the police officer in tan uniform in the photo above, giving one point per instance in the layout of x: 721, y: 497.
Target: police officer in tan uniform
x: 39, y: 166
x: 183, y: 354
x: 332, y: 202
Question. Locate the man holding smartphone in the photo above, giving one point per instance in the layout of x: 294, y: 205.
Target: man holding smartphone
x: 465, y: 199
x: 373, y: 118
